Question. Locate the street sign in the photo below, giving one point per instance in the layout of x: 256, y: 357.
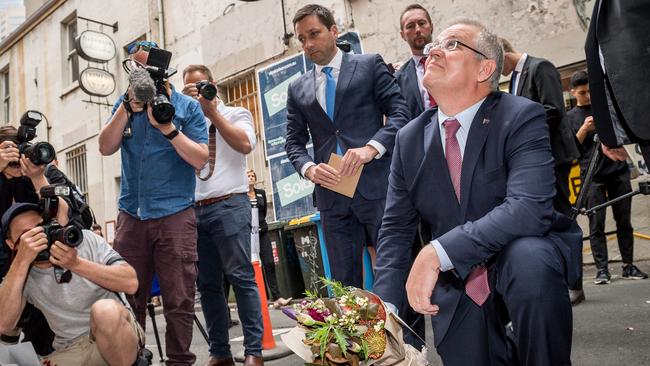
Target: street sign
x: 96, y: 82
x: 95, y: 46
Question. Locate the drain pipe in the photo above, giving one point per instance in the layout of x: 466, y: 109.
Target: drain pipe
x: 161, y: 24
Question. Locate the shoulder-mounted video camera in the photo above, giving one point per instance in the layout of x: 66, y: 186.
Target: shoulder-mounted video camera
x: 40, y: 153
x: 158, y: 67
x: 69, y: 235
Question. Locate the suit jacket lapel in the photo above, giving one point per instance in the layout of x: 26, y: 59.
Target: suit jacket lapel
x: 310, y: 96
x: 435, y: 160
x: 411, y: 75
x: 523, y: 76
x: 478, y: 133
x: 345, y: 76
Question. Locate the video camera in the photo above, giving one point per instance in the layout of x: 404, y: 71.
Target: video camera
x: 40, y: 153
x: 159, y: 70
x: 69, y: 235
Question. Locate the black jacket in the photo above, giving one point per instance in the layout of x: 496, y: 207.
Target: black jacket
x: 540, y: 82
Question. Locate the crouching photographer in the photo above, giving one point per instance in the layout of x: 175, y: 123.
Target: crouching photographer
x: 85, y: 310
x: 163, y: 138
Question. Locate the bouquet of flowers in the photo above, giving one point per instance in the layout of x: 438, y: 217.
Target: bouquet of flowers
x: 352, y: 328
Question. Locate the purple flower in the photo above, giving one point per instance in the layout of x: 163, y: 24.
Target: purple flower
x: 290, y: 313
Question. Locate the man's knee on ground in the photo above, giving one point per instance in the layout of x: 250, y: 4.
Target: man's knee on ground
x: 531, y: 268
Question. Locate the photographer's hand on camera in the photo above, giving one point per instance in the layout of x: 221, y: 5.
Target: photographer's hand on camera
x: 64, y: 256
x: 111, y: 135
x: 8, y: 153
x: 31, y: 242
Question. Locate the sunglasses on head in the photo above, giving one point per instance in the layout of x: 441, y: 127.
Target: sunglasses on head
x: 144, y: 45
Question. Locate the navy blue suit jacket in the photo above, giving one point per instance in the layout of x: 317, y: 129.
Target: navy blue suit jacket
x: 507, y: 189
x: 407, y: 79
x: 365, y: 93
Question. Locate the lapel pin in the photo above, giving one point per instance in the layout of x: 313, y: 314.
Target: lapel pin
x: 485, y: 121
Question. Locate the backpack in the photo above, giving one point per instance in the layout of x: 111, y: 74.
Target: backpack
x: 81, y: 215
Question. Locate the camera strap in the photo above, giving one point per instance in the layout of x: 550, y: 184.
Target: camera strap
x: 212, y: 151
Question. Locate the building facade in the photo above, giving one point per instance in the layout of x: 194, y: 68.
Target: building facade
x: 39, y: 64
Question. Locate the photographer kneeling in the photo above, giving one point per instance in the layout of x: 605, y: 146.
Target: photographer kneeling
x: 91, y: 324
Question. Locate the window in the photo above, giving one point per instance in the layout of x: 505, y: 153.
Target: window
x: 242, y: 92
x: 76, y: 168
x: 4, y: 79
x: 70, y: 34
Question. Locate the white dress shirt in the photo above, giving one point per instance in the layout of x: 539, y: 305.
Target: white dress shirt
x: 229, y: 174
x: 320, y: 83
x: 519, y: 68
x: 419, y: 71
x: 465, y: 119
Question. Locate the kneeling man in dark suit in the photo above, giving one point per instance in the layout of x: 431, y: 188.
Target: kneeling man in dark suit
x: 479, y: 171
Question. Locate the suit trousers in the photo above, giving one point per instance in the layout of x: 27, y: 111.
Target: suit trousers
x: 528, y: 287
x: 348, y: 226
x: 599, y: 193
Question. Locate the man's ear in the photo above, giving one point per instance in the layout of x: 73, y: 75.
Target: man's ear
x: 334, y: 30
x: 10, y: 243
x: 488, y: 67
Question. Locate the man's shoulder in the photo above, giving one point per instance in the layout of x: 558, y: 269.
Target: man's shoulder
x: 407, y: 66
x: 414, y: 128
x: 179, y: 98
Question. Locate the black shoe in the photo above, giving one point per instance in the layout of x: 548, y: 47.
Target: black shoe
x: 602, y: 277
x: 631, y: 272
x: 233, y: 323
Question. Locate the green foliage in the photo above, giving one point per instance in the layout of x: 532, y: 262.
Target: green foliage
x: 341, y: 341
x: 337, y: 287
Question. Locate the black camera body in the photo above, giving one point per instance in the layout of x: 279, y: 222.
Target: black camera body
x: 158, y: 67
x: 40, y: 153
x: 206, y: 89
x: 69, y: 235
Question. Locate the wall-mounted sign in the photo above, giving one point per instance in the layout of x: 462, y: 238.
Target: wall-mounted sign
x: 96, y: 82
x: 95, y: 46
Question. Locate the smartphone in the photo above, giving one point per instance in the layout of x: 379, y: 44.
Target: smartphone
x: 159, y: 58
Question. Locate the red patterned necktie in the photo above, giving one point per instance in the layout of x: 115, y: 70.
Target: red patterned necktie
x: 477, y: 286
x: 452, y: 154
x: 432, y: 102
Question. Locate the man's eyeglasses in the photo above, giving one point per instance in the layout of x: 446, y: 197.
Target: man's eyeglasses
x: 449, y: 45
x: 144, y: 45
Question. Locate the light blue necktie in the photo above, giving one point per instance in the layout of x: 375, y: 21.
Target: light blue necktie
x: 330, y: 96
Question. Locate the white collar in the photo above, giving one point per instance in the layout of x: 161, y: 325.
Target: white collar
x: 465, y: 117
x: 335, y: 63
x: 521, y: 62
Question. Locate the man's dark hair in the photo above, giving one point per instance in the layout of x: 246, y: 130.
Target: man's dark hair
x: 507, y: 46
x: 579, y: 78
x: 324, y: 15
x: 201, y: 68
x: 413, y: 7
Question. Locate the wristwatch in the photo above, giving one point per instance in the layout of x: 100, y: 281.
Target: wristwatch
x: 171, y: 135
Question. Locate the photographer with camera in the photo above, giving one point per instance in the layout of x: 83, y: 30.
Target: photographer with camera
x: 162, y: 139
x: 91, y: 324
x: 20, y: 181
x: 223, y: 214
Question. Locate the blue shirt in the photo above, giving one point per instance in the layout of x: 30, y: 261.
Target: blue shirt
x: 156, y: 181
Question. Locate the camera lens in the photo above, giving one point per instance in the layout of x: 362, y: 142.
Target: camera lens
x: 207, y: 90
x: 40, y: 153
x: 163, y: 111
x: 69, y: 235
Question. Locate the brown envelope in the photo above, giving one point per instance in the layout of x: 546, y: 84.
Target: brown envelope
x: 348, y: 184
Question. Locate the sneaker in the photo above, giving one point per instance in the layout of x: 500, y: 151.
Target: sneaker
x: 602, y: 277
x: 631, y: 272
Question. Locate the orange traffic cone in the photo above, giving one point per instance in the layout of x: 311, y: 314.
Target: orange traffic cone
x: 268, y: 342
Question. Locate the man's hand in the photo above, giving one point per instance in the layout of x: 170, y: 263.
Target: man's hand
x: 64, y: 256
x: 30, y: 244
x: 31, y: 170
x: 136, y: 105
x: 165, y: 128
x: 422, y: 280
x: 614, y: 153
x: 8, y: 154
x: 355, y: 158
x: 323, y: 174
x: 588, y: 125
x: 209, y: 107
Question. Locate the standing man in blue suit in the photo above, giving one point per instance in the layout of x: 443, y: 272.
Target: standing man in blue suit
x: 416, y: 30
x: 479, y: 171
x: 341, y: 103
